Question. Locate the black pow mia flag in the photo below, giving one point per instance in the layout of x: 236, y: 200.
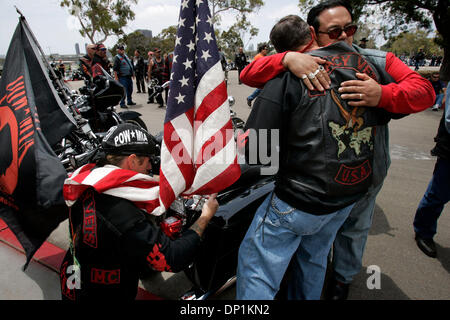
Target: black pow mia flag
x: 32, y: 118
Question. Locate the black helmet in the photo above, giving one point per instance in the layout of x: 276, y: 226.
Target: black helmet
x: 125, y: 139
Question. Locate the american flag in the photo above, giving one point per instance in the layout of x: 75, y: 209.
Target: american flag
x: 141, y: 189
x: 198, y: 153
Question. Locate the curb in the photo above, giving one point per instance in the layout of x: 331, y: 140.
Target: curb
x: 52, y: 256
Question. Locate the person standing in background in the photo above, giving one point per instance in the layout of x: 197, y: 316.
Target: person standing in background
x: 139, y: 69
x: 262, y: 52
x: 241, y: 62
x: 438, y: 191
x: 124, y: 73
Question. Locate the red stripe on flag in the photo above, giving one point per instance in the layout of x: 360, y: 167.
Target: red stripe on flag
x: 211, y: 102
x: 178, y: 152
x: 226, y: 178
x: 83, y: 173
x: 72, y: 192
x: 113, y: 179
x: 140, y: 184
x: 165, y: 191
x: 215, y: 144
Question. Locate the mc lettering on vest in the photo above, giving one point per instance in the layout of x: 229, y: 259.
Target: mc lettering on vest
x: 107, y: 277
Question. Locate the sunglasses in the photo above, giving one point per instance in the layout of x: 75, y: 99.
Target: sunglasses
x: 336, y: 32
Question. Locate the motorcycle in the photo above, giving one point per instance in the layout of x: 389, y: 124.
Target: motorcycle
x: 214, y: 268
x: 97, y: 102
x: 156, y: 89
x: 238, y: 123
x: 77, y: 75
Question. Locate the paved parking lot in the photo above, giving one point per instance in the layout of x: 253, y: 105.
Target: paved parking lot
x: 406, y: 273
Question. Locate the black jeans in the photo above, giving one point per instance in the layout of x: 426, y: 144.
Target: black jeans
x: 140, y: 83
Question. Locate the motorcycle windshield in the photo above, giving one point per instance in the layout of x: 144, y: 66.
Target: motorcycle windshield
x: 106, y: 74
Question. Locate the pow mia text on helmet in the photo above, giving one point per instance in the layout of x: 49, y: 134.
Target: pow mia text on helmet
x: 130, y: 136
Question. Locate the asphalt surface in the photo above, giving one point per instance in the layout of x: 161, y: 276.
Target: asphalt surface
x: 406, y: 273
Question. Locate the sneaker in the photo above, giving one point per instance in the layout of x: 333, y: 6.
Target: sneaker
x: 161, y: 106
x: 249, y: 102
x: 435, y: 107
x: 132, y: 103
x: 123, y: 106
x: 427, y: 246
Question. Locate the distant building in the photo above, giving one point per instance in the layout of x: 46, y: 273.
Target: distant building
x: 146, y: 33
x: 77, y: 49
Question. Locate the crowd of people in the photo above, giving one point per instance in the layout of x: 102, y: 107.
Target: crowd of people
x: 147, y: 73
x: 311, y: 210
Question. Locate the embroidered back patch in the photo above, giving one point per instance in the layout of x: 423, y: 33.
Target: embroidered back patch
x: 106, y: 277
x: 351, y: 176
x: 89, y: 221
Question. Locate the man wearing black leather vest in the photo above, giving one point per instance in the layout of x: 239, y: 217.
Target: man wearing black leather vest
x: 400, y: 90
x: 326, y: 165
x: 438, y: 191
x: 113, y: 236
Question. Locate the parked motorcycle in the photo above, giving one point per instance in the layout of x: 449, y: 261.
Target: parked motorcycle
x: 97, y: 103
x: 238, y: 123
x: 77, y: 75
x: 214, y: 268
x: 156, y: 89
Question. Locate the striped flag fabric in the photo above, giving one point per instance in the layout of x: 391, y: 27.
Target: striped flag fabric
x: 141, y: 189
x: 198, y: 153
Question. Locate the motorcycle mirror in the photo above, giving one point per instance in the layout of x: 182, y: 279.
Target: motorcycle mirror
x: 166, y: 84
x: 231, y: 101
x: 106, y: 74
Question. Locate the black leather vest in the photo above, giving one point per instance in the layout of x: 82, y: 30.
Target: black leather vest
x: 327, y: 149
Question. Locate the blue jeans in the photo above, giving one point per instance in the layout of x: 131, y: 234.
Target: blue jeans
x: 278, y: 233
x: 439, y: 98
x: 254, y: 94
x: 432, y: 203
x: 351, y: 238
x: 350, y: 242
x: 127, y: 82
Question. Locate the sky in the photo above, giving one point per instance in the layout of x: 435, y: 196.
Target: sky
x: 57, y: 31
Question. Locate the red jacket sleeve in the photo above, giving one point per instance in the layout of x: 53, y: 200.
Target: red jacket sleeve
x: 411, y: 93
x: 260, y: 71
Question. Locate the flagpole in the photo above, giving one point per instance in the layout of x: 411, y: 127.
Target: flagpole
x: 69, y: 101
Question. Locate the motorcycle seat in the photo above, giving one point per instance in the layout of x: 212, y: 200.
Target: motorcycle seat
x: 249, y: 175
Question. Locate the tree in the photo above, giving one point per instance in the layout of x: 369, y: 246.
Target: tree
x: 100, y: 19
x: 410, y: 42
x: 402, y: 13
x: 133, y: 41
x: 136, y: 40
x: 242, y: 8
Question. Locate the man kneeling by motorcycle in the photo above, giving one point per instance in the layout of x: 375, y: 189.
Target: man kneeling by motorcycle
x: 113, y: 239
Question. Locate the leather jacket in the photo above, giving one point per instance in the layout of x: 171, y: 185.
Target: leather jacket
x: 114, y: 242
x: 326, y: 147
